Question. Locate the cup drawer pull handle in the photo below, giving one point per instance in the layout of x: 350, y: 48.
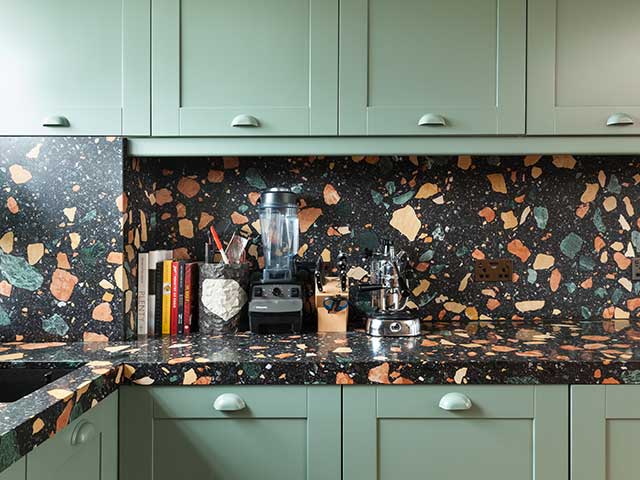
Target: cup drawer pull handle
x: 83, y: 433
x: 455, y: 401
x: 229, y: 402
x: 245, y: 121
x: 56, y: 121
x: 432, y: 120
x: 619, y: 119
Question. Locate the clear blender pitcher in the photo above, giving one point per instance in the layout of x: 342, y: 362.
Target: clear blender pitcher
x: 279, y: 226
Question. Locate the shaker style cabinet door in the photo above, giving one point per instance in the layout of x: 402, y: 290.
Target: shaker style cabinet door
x: 432, y: 67
x: 583, y: 67
x: 230, y: 433
x: 87, y: 448
x: 605, y: 432
x: 442, y: 432
x: 74, y: 67
x: 244, y: 67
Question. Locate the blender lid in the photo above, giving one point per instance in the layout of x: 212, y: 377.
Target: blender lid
x: 278, y: 197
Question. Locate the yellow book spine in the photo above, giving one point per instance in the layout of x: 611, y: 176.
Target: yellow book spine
x: 166, y: 297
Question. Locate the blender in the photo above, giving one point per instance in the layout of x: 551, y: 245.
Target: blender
x: 276, y: 300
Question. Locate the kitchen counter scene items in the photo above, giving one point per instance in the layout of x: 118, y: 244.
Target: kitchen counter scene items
x: 220, y: 295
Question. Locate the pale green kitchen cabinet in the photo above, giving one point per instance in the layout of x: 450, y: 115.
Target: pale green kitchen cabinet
x: 17, y: 471
x: 605, y: 432
x: 432, y: 67
x: 583, y: 67
x: 244, y: 68
x: 230, y: 432
x: 456, y: 432
x: 86, y: 449
x: 75, y: 67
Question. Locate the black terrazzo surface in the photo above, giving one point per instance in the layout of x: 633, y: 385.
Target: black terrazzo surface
x: 602, y: 352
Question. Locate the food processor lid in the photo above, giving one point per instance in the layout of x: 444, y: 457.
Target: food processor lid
x: 278, y: 197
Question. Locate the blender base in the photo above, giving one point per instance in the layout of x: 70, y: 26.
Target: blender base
x: 393, y: 325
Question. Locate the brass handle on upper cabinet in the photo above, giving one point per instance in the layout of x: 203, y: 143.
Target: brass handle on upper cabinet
x: 245, y: 121
x: 618, y: 119
x: 83, y: 433
x: 229, y: 402
x: 455, y: 401
x: 432, y: 120
x: 56, y: 121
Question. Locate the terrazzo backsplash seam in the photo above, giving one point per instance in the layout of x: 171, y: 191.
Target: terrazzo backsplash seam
x: 568, y: 222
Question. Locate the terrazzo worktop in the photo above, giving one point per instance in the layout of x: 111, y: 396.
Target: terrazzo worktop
x: 606, y: 352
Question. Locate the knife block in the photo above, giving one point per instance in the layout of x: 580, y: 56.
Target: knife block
x: 331, y: 322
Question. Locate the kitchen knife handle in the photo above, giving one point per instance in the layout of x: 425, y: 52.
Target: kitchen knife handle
x: 455, y: 401
x: 229, y: 402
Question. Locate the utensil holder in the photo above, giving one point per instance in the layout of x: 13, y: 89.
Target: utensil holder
x: 331, y: 321
x: 223, y: 297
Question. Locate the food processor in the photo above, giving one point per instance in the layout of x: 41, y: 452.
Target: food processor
x: 276, y: 300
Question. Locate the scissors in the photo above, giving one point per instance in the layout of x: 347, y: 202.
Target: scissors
x: 335, y: 304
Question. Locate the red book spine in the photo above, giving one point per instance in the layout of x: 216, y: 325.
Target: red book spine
x: 187, y: 297
x: 175, y: 284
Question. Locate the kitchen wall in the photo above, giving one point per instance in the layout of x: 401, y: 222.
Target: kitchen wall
x: 569, y: 223
x: 76, y: 211
x: 62, y: 273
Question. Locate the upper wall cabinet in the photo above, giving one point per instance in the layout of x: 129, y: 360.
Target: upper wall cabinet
x: 75, y: 67
x: 432, y: 67
x: 241, y: 67
x: 583, y: 67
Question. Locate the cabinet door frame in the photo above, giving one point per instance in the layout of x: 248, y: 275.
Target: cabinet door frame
x: 546, y: 405
x: 320, y: 405
x: 544, y: 117
x: 356, y: 117
x: 169, y: 118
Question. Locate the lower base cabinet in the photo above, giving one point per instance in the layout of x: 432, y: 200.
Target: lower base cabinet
x: 87, y: 449
x: 480, y: 432
x: 230, y: 433
x: 605, y: 432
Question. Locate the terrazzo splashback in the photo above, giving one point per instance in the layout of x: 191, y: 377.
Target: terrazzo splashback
x: 570, y: 224
x: 62, y: 275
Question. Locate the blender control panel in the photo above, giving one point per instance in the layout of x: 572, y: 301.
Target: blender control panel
x: 276, y: 290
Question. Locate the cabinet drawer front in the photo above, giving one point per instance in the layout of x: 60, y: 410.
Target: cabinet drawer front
x: 71, y: 121
x: 249, y: 121
x: 261, y: 402
x: 486, y: 402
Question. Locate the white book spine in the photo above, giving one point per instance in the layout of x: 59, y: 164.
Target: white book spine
x: 154, y: 257
x: 143, y: 293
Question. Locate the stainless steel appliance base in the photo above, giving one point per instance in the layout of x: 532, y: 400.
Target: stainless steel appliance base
x: 392, y: 327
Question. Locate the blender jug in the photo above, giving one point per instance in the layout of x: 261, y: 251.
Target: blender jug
x: 279, y: 226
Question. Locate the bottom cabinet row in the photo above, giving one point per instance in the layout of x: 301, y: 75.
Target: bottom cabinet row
x: 350, y: 433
